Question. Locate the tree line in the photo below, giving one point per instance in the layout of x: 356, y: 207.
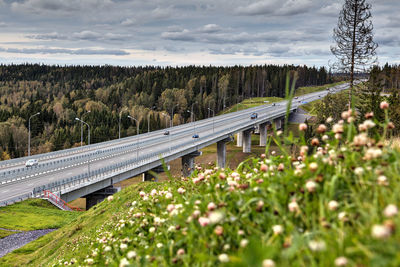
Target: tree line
x: 104, y: 95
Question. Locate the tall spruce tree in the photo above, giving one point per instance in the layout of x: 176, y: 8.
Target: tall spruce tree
x: 355, y: 48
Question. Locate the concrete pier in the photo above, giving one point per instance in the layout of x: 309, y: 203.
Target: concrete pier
x: 98, y: 196
x: 263, y: 133
x: 149, y: 175
x: 188, y: 163
x: 239, y: 139
x: 278, y: 123
x: 247, y: 141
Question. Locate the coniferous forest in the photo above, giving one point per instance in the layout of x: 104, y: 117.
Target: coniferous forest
x: 61, y: 94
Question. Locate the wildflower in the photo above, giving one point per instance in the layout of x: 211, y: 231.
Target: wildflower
x: 390, y: 125
x: 316, y: 245
x: 153, y: 192
x: 142, y: 194
x: 359, y: 171
x: 341, y: 261
x: 244, y: 242
x: 384, y: 105
x: 382, y: 180
x: 260, y: 205
x: 124, y: 262
x: 313, y: 166
x: 263, y: 156
x: 302, y: 127
x: 277, y: 229
x: 89, y: 261
x: 337, y: 128
x: 107, y: 249
x: 219, y: 230
x: 223, y: 258
x: 315, y: 142
x: 345, y: 115
x: 180, y: 252
x: 204, y: 221
x: 123, y: 246
x: 240, y: 232
x: 170, y: 207
x: 329, y: 119
x: 333, y: 205
x: 268, y: 263
x: 110, y: 198
x: 293, y: 206
x: 226, y: 247
x: 152, y: 229
x: 278, y: 133
x: 263, y: 168
x: 338, y: 136
x: 131, y: 254
x: 197, y: 202
x: 325, y: 138
x: 281, y: 167
x: 181, y: 190
x: 380, y: 231
x: 369, y: 124
x: 311, y: 186
x: 360, y: 140
x: 369, y: 115
x: 222, y: 176
x: 321, y: 128
x: 159, y: 245
x: 215, y: 217
x: 390, y: 211
x: 211, y: 206
x: 342, y: 216
x: 168, y: 195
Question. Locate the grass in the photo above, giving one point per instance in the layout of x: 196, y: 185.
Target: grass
x: 311, y: 89
x: 4, y: 233
x: 324, y: 206
x: 250, y: 103
x: 34, y: 214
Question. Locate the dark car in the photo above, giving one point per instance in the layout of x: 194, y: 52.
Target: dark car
x: 195, y: 136
x: 166, y: 133
x: 254, y: 116
x: 273, y: 104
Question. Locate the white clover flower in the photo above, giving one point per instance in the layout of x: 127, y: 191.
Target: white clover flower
x: 131, y: 254
x: 123, y: 246
x: 223, y: 258
x: 325, y: 137
x: 341, y: 261
x: 124, y: 262
x: 382, y: 180
x: 311, y: 186
x: 107, y: 249
x: 316, y: 245
x: 380, y: 231
x: 159, y: 245
x: 268, y: 263
x: 152, y: 229
x: 168, y: 195
x: 390, y: 211
x: 293, y: 206
x: 342, y: 216
x: 226, y: 247
x: 89, y: 261
x: 359, y: 171
x: 333, y: 205
x: 181, y: 190
x: 244, y: 243
x: 110, y: 198
x: 215, y: 217
x: 278, y: 229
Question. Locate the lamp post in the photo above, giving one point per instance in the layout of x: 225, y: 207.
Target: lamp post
x: 194, y: 124
x: 137, y: 133
x: 192, y: 114
x: 172, y: 115
x: 82, y: 127
x: 88, y: 141
x: 29, y: 135
x: 213, y: 117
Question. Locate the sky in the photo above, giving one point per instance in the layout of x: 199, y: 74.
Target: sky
x: 183, y: 32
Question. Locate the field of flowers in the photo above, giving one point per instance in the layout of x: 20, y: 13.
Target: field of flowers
x: 331, y: 202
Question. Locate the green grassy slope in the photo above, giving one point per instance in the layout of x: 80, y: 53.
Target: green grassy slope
x: 336, y: 204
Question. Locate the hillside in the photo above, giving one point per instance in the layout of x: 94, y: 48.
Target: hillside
x: 333, y: 203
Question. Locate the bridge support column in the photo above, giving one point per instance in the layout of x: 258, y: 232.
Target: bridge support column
x: 278, y: 123
x: 221, y: 152
x: 239, y: 139
x: 188, y: 163
x: 263, y: 133
x: 149, y: 175
x: 247, y: 141
x: 98, y: 196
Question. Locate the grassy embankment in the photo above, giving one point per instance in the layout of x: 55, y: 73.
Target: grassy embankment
x: 336, y: 205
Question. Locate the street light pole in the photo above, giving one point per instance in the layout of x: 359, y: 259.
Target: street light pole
x: 82, y: 127
x: 213, y: 117
x: 194, y: 124
x: 137, y: 133
x: 192, y: 114
x: 88, y: 140
x: 29, y: 135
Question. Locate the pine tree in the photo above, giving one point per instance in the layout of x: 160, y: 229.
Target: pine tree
x: 355, y: 48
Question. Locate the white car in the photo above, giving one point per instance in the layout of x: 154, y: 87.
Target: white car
x: 31, y: 163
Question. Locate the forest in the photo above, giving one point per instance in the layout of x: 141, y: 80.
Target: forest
x: 104, y: 95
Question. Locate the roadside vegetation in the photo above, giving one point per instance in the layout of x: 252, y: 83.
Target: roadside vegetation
x: 33, y: 214
x: 305, y: 208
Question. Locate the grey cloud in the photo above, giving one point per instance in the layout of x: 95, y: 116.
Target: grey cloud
x: 65, y: 51
x: 83, y: 35
x: 3, y: 24
x: 388, y: 39
x: 48, y: 36
x: 275, y: 7
x: 161, y: 13
x: 128, y: 22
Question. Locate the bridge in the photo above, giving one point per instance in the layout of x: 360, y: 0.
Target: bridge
x: 90, y: 171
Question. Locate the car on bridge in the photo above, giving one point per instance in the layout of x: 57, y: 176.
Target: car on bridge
x: 166, y: 133
x: 195, y: 136
x: 254, y: 116
x: 31, y: 163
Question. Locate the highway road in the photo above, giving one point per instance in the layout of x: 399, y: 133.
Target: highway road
x: 136, y: 146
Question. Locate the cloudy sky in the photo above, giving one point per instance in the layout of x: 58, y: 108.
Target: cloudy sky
x: 182, y: 32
